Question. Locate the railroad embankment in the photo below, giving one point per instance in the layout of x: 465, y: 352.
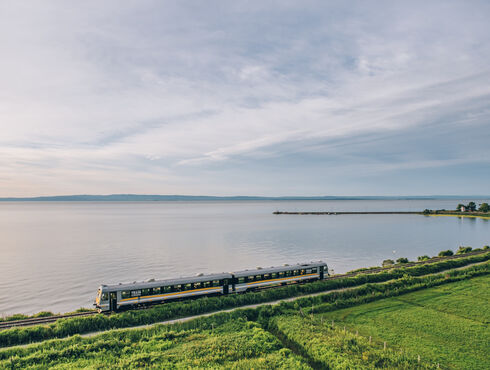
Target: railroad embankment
x: 305, y: 333
x: 70, y: 326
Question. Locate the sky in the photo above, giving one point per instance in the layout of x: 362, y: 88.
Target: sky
x: 265, y: 98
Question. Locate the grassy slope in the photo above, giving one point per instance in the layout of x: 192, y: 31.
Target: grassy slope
x: 448, y: 324
x: 234, y: 344
x: 445, y: 324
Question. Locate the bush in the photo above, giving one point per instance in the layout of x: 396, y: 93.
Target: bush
x: 388, y: 263
x: 402, y: 260
x: 43, y: 314
x: 423, y: 258
x: 445, y: 253
x: 463, y: 250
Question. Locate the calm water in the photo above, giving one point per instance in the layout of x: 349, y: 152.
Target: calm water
x: 55, y: 255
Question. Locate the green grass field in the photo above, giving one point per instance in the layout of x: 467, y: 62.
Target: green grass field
x: 236, y: 344
x: 446, y: 324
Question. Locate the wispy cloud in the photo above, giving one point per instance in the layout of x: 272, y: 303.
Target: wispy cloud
x: 168, y: 97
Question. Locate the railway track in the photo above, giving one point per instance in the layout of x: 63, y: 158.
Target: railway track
x: 51, y: 319
x: 42, y: 320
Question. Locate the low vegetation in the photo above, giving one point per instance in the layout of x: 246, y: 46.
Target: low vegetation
x: 447, y: 324
x: 292, y: 334
x: 331, y: 347
x: 233, y: 343
x: 80, y: 325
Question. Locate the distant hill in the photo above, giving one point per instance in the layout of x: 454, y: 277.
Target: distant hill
x: 156, y: 198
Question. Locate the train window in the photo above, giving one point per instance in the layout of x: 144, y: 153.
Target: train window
x: 105, y: 297
x: 258, y: 277
x: 216, y: 283
x: 274, y: 275
x: 267, y: 276
x: 157, y: 290
x: 308, y: 271
x: 187, y: 287
x: 126, y: 294
x: 314, y: 270
x: 198, y: 285
x: 241, y: 280
x: 166, y: 289
x: 280, y: 274
x: 145, y: 292
x: 206, y: 284
x: 135, y: 293
x: 303, y: 272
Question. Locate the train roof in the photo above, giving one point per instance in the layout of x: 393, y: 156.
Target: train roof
x: 152, y: 283
x: 267, y: 270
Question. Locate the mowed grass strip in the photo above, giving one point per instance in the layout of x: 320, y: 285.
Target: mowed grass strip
x: 447, y: 324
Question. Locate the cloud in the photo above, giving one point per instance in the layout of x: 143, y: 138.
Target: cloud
x: 165, y: 90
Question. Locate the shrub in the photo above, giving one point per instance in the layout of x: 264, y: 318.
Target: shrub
x: 463, y: 250
x: 423, y: 258
x: 445, y: 253
x: 388, y: 263
x: 43, y: 314
x: 402, y: 260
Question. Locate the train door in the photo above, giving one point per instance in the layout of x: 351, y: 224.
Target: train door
x: 113, y: 301
x: 321, y: 272
x: 225, y: 287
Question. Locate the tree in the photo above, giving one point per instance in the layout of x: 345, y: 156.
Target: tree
x: 445, y: 253
x: 423, y: 258
x: 402, y: 260
x: 484, y: 207
x: 388, y: 263
x: 459, y: 206
x: 426, y: 211
x: 471, y: 206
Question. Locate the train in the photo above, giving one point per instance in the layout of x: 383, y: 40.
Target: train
x: 137, y: 294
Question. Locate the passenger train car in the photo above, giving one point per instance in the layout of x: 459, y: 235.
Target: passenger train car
x: 130, y: 295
